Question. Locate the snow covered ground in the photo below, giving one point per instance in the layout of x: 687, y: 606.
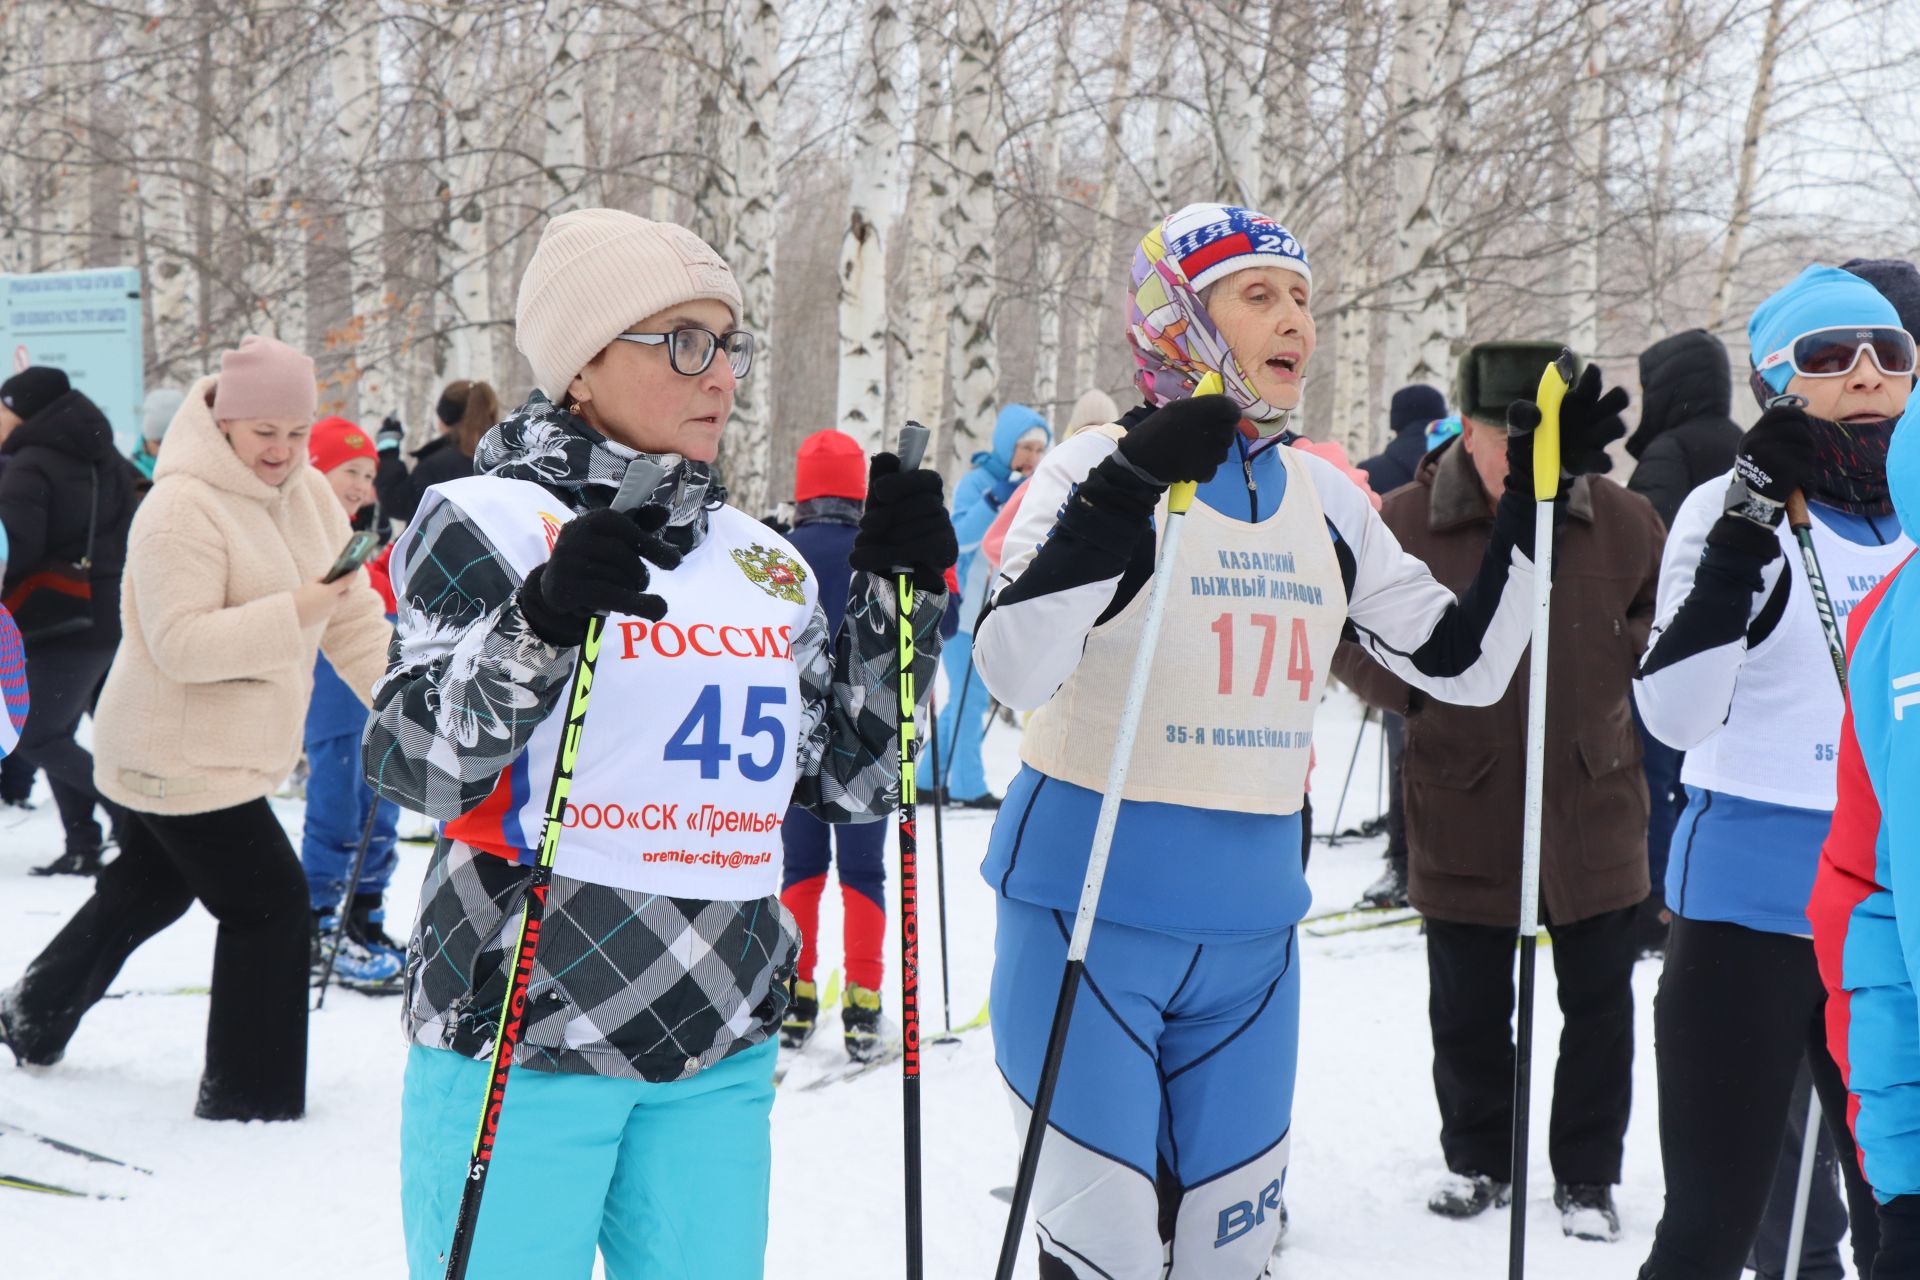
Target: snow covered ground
x: 321, y: 1199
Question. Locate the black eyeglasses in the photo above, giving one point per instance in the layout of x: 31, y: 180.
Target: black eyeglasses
x: 691, y: 350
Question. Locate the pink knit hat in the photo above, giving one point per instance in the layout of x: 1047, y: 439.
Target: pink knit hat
x: 598, y: 271
x: 265, y: 378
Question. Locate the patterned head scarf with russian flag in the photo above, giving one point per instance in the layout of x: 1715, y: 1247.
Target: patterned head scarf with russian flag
x: 1174, y: 339
x: 13, y: 683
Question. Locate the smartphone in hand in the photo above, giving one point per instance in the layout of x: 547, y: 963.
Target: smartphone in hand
x: 358, y: 551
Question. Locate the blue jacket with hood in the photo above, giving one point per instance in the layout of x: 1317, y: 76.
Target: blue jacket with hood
x: 1865, y: 907
x: 978, y: 497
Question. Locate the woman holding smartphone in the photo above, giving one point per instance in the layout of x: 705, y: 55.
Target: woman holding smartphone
x: 223, y: 608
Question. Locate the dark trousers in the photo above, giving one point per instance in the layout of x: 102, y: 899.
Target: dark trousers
x: 1826, y: 1212
x: 240, y: 865
x: 1899, y: 1257
x: 1470, y: 1005
x: 1738, y: 1012
x: 63, y: 675
x: 16, y: 779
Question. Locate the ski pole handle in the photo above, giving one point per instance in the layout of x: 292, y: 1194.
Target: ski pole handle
x: 912, y: 446
x: 1555, y: 381
x: 1180, y: 496
x: 1798, y: 517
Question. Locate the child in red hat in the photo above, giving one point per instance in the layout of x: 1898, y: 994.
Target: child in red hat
x: 830, y: 489
x: 338, y: 798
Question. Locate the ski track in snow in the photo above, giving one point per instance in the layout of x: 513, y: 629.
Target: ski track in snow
x: 321, y: 1198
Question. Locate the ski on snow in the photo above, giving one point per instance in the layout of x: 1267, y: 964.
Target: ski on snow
x: 66, y: 1148
x: 15, y: 1182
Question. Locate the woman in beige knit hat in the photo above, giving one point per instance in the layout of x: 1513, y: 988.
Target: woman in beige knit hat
x: 635, y: 1123
x: 223, y: 610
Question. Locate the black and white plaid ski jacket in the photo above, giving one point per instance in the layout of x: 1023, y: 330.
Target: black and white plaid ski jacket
x: 625, y: 984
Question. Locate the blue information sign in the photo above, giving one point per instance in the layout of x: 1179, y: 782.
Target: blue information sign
x: 87, y: 323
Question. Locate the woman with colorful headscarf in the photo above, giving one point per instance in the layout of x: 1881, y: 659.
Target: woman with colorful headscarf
x: 1168, y: 1142
x: 1738, y: 676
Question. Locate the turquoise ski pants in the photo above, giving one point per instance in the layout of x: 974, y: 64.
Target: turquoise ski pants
x: 666, y: 1181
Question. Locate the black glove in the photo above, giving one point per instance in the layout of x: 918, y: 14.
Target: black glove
x: 1183, y: 442
x: 599, y: 565
x: 1589, y: 422
x: 905, y: 526
x: 392, y: 435
x: 1774, y: 461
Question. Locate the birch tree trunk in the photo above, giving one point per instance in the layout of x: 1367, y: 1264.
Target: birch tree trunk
x: 1238, y: 43
x: 1742, y: 212
x: 354, y: 65
x: 563, y: 102
x: 861, y: 401
x: 1353, y: 425
x: 974, y: 354
x: 1590, y: 183
x: 750, y: 253
x: 663, y: 201
x: 468, y: 266
x: 1099, y: 323
x: 69, y: 180
x: 1658, y: 265
x: 1049, y: 357
x: 1165, y: 161
x: 1427, y: 60
x: 16, y: 201
x: 928, y: 196
x: 717, y: 128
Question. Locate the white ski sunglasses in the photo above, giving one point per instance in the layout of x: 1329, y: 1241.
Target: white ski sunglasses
x: 1833, y: 351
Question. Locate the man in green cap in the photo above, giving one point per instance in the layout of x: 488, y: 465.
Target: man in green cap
x: 1465, y: 787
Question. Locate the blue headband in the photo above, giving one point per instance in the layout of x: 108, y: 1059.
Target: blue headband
x: 1819, y: 298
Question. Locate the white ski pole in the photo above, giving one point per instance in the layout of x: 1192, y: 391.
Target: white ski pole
x: 1179, y: 499
x: 1546, y: 487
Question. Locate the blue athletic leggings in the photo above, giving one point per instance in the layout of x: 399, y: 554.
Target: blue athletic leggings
x: 666, y: 1181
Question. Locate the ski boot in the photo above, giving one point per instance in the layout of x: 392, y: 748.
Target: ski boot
x: 366, y: 920
x: 802, y: 1013
x: 78, y: 860
x: 860, y: 1019
x: 1587, y: 1212
x: 1390, y: 890
x: 358, y: 967
x: 1468, y: 1195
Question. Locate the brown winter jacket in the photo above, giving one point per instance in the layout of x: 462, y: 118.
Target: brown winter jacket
x: 1465, y: 767
x: 204, y: 705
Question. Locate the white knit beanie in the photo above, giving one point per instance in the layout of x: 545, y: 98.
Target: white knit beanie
x: 598, y: 271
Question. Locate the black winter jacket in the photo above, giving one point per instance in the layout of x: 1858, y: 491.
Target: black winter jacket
x: 400, y: 490
x: 1685, y: 437
x: 1396, y: 464
x: 45, y: 496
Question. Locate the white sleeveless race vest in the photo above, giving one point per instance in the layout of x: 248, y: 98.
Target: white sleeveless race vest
x: 1252, y: 617
x: 687, y: 762
x: 1782, y: 735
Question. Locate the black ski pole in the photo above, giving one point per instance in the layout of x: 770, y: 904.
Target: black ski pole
x: 912, y: 446
x: 1360, y: 736
x: 346, y: 900
x: 959, y: 709
x: 1800, y: 520
x: 533, y: 906
x: 940, y: 867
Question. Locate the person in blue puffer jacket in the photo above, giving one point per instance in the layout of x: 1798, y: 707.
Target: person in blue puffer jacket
x: 1020, y: 439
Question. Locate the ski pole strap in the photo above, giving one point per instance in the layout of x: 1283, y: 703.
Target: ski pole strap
x: 1555, y: 380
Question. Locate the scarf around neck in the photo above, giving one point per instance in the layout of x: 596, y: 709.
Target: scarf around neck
x: 1850, y: 465
x: 556, y: 448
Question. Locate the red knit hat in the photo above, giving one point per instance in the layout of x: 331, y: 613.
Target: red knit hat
x: 334, y: 441
x: 831, y: 465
